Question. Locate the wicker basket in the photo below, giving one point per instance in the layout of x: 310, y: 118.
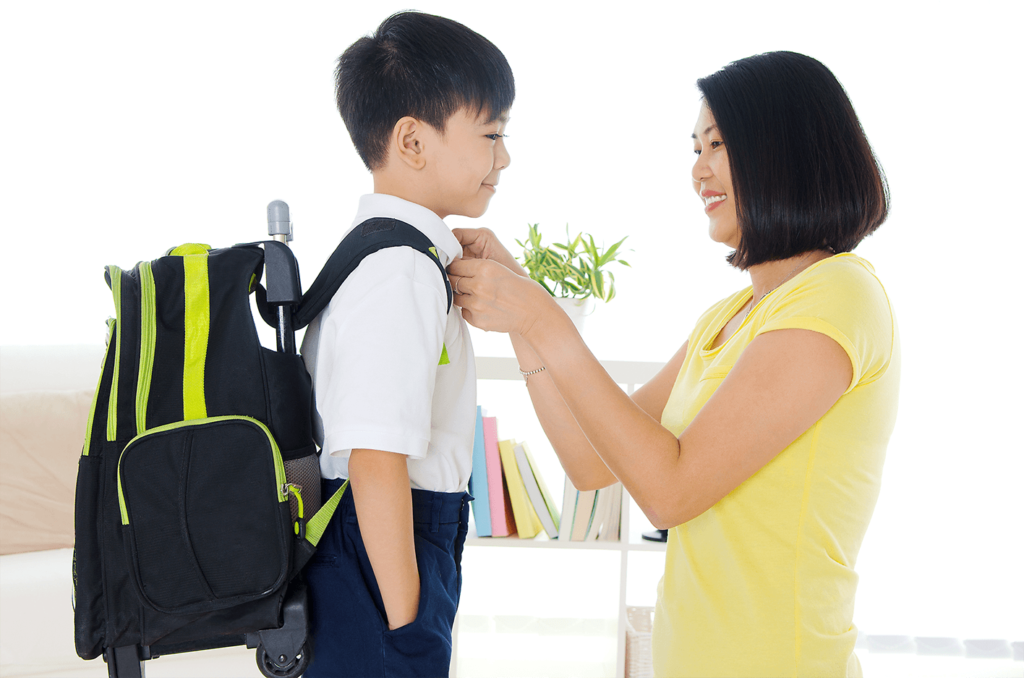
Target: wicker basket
x: 638, y: 642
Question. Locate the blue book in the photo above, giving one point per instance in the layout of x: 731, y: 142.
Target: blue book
x: 478, y: 480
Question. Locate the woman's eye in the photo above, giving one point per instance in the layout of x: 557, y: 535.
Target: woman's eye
x: 716, y: 144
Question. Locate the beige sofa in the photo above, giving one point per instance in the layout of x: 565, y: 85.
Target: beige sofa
x: 45, y: 396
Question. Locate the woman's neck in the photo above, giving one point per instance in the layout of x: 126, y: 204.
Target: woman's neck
x: 766, y: 277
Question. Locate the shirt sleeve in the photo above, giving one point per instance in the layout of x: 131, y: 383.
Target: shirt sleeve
x: 846, y: 302
x: 379, y: 348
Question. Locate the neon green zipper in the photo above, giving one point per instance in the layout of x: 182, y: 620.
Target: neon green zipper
x: 148, y: 348
x: 115, y: 288
x: 300, y: 522
x: 282, y: 482
x: 96, y: 395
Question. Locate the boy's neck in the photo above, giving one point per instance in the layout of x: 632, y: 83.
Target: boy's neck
x: 400, y: 187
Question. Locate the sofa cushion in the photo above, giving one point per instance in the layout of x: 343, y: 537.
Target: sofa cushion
x: 41, y: 436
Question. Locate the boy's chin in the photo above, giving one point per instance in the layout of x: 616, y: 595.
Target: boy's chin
x: 472, y: 211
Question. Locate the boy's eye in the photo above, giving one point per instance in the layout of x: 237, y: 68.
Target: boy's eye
x: 495, y: 137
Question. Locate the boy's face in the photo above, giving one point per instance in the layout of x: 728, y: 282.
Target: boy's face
x: 465, y: 162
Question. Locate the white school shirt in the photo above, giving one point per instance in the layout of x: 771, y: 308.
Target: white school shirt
x: 374, y: 355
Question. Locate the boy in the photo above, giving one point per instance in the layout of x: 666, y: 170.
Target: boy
x: 425, y: 101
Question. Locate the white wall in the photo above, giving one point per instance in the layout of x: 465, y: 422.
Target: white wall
x: 128, y: 128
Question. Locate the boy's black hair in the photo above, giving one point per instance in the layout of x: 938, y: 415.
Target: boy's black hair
x: 803, y: 173
x: 420, y: 65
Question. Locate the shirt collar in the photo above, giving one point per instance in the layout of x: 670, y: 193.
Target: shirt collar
x: 417, y: 216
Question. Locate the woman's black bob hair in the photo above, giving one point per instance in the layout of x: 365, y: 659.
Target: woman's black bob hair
x: 803, y: 173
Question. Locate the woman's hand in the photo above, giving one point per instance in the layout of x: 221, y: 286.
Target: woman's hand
x: 495, y: 299
x: 481, y: 243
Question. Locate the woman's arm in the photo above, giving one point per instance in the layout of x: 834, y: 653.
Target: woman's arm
x: 582, y: 464
x: 653, y: 396
x: 781, y: 385
x: 578, y: 457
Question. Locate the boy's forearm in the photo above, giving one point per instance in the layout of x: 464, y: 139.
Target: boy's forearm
x: 383, y: 501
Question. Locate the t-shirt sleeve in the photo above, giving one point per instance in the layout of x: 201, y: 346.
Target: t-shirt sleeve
x: 846, y: 302
x: 380, y: 345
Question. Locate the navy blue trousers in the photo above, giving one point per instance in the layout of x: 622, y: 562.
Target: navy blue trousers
x: 348, y: 624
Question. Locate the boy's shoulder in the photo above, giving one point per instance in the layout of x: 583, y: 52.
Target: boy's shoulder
x: 395, y: 269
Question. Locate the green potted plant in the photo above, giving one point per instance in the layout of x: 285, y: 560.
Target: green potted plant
x: 574, y: 272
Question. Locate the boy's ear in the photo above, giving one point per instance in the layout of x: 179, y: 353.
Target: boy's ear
x: 407, y: 142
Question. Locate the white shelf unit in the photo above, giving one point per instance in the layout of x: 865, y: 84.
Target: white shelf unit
x: 630, y: 375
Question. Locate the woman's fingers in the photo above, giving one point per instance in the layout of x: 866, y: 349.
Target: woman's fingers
x: 464, y: 268
x: 467, y: 237
x: 481, y: 243
x: 494, y: 298
x: 458, y: 284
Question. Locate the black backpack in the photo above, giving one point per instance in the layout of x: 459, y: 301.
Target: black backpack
x: 197, y: 502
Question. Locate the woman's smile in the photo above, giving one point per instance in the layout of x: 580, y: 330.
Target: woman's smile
x: 712, y: 199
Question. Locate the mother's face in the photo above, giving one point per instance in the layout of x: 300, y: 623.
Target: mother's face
x: 712, y: 180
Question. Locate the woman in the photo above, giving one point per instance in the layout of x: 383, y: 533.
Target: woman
x: 761, y: 441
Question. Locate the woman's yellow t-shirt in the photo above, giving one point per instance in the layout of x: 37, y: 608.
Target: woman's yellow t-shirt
x: 762, y: 583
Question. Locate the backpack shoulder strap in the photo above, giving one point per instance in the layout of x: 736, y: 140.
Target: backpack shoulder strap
x: 370, y: 236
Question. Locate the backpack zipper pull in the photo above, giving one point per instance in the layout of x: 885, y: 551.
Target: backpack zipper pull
x: 300, y: 523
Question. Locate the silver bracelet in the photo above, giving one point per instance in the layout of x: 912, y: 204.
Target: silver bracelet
x: 527, y: 375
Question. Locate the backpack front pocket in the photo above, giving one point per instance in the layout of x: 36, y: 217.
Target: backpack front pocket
x: 206, y: 519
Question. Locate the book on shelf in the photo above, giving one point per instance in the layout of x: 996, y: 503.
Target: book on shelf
x: 592, y: 515
x: 583, y: 514
x: 543, y: 505
x: 568, y: 510
x: 478, y: 484
x: 511, y: 497
x: 502, y: 523
x: 612, y: 528
x: 607, y: 515
x: 527, y: 521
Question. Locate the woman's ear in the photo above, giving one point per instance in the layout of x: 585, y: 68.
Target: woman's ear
x: 407, y: 142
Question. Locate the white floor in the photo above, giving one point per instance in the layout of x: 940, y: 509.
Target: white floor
x: 564, y: 628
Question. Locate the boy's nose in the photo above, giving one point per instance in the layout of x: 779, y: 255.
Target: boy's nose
x: 502, y: 159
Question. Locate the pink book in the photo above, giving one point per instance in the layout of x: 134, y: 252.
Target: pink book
x: 499, y: 522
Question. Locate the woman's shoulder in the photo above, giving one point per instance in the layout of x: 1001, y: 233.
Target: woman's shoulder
x: 846, y: 268
x: 842, y: 297
x: 848, y: 281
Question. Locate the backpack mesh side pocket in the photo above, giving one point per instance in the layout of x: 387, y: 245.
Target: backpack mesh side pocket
x: 304, y: 472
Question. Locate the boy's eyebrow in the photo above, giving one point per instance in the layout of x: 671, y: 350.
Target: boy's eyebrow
x: 705, y: 132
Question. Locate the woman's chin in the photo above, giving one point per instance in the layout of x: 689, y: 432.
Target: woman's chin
x: 729, y: 238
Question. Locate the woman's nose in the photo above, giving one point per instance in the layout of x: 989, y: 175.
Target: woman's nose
x: 700, y: 171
